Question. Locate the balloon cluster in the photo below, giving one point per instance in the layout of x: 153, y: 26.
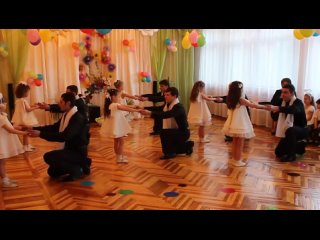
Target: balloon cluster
x: 171, y: 44
x: 129, y: 44
x: 3, y: 50
x: 145, y: 77
x: 305, y: 33
x: 35, y: 79
x: 194, y: 39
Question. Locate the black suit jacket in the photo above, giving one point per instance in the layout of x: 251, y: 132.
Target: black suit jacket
x: 297, y: 109
x: 75, y: 134
x: 178, y: 113
x: 79, y: 103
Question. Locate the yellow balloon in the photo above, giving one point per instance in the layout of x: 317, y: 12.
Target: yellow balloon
x: 306, y: 32
x: 297, y: 34
x: 186, y: 44
x: 45, y: 35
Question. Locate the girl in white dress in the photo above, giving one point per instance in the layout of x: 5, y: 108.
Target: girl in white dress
x: 309, y: 109
x: 238, y: 124
x: 23, y: 113
x: 199, y: 113
x: 115, y: 124
x: 124, y: 100
x: 10, y: 144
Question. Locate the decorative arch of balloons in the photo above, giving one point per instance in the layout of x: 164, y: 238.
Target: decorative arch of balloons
x: 305, y: 33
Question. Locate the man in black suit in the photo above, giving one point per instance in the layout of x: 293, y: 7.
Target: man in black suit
x: 72, y: 132
x: 159, y: 102
x: 292, y: 125
x: 79, y: 103
x: 175, y: 133
x: 276, y: 101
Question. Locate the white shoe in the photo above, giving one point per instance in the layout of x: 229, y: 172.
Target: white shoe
x: 27, y: 148
x: 124, y: 159
x: 9, y: 184
x: 239, y: 163
x: 13, y: 181
x: 31, y: 147
x: 204, y: 140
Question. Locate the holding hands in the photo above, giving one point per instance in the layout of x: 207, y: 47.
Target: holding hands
x: 145, y: 112
x: 44, y: 105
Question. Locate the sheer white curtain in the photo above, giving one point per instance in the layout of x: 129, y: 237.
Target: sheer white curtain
x: 311, y: 80
x: 55, y: 60
x: 259, y: 58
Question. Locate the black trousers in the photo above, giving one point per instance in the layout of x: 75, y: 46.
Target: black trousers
x: 290, y: 145
x: 157, y: 122
x: 173, y: 141
x: 66, y: 161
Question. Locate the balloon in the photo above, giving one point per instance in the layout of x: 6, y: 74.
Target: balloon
x: 316, y: 34
x: 104, y: 31
x: 193, y: 37
x: 297, y: 34
x: 306, y: 32
x: 201, y: 40
x: 45, y: 35
x: 33, y: 35
x: 82, y: 77
x: 40, y: 76
x: 76, y: 53
x: 131, y: 43
x: 37, y: 82
x: 167, y: 41
x: 125, y: 42
x: 75, y: 45
x: 174, y: 49
x: 195, y: 44
x: 87, y: 59
x: 30, y: 81
x: 87, y: 31
x: 186, y: 44
x: 36, y: 42
x: 111, y: 67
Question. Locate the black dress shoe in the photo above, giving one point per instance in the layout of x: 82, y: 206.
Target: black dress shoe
x: 86, y: 170
x: 68, y: 178
x: 228, y: 138
x: 89, y: 161
x: 189, y: 147
x: 164, y: 157
x: 286, y: 158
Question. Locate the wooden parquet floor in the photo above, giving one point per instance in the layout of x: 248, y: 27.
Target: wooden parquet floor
x: 202, y: 181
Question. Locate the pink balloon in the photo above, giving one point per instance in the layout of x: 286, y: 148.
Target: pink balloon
x: 193, y: 36
x: 33, y: 35
x: 30, y: 81
x: 36, y: 42
x: 76, y: 53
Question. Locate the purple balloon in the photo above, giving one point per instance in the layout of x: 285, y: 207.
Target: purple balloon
x: 36, y: 43
x: 111, y: 67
